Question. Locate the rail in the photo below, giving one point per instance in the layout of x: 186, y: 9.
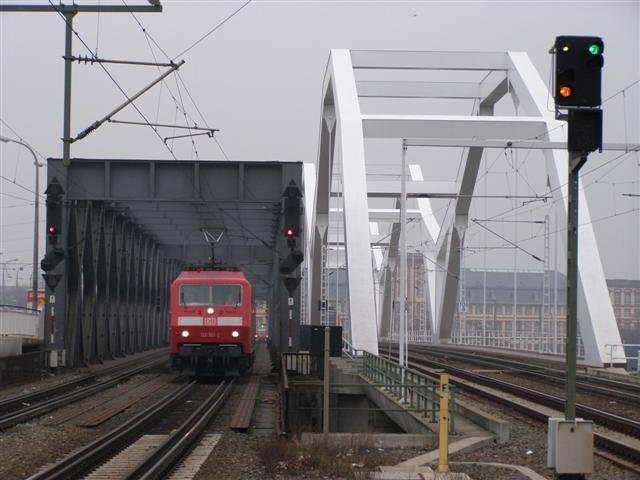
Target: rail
x: 62, y: 397
x: 90, y: 455
x: 160, y: 462
x: 613, y: 358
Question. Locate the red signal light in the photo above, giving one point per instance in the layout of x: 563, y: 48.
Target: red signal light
x: 51, y: 229
x: 565, y: 91
x: 289, y: 232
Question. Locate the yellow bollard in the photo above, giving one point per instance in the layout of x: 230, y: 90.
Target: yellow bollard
x: 443, y: 462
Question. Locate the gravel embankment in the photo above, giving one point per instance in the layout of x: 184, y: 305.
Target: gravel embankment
x: 527, y: 446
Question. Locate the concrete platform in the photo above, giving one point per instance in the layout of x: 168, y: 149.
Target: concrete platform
x: 465, y: 445
x: 422, y: 474
x: 369, y: 440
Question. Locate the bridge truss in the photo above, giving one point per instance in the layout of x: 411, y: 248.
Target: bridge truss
x: 347, y: 207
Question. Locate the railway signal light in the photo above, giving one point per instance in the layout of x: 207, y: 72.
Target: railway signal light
x: 578, y: 71
x: 584, y: 129
x: 51, y: 259
x: 291, y: 283
x: 292, y: 210
x: 291, y: 262
x: 54, y: 193
x: 51, y: 280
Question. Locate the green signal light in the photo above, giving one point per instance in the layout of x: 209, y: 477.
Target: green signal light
x: 594, y: 49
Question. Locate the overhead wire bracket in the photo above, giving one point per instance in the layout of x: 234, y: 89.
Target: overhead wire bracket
x: 205, y: 131
x: 129, y: 101
x: 88, y: 59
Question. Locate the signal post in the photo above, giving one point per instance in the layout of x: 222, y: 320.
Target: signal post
x: 577, y: 89
x: 292, y: 209
x: 53, y: 266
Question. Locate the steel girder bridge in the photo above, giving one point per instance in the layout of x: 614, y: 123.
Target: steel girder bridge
x: 348, y: 189
x: 129, y: 228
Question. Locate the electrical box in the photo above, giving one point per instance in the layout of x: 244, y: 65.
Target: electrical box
x: 312, y: 339
x: 57, y: 358
x: 570, y: 446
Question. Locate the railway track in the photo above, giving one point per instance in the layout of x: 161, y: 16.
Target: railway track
x: 164, y: 458
x: 608, y: 443
x: 626, y: 391
x: 21, y: 408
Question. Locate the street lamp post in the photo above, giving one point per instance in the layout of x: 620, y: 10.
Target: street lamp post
x: 36, y: 220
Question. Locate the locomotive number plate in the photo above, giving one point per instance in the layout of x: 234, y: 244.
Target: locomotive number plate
x: 209, y: 321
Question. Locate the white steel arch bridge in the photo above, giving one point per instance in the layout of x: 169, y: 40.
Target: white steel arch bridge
x: 365, y: 137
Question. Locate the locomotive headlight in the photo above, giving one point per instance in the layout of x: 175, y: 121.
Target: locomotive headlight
x: 185, y: 333
x: 235, y: 334
x: 210, y: 310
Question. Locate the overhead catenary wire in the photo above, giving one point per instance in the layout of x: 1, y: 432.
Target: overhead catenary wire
x: 180, y: 105
x: 20, y: 185
x: 210, y: 32
x: 16, y: 197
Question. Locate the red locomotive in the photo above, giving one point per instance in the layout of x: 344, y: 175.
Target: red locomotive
x: 211, y: 329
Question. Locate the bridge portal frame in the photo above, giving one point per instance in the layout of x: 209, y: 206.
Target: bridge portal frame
x: 130, y: 226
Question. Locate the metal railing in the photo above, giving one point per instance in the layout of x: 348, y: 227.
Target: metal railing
x: 298, y: 362
x: 349, y: 350
x: 615, y: 357
x: 419, y: 391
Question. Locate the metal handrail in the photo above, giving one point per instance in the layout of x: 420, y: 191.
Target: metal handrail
x: 20, y: 308
x: 421, y: 392
x: 349, y: 350
x: 611, y: 346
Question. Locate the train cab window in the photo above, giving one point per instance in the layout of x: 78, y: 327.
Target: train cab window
x: 198, y: 295
x: 192, y: 295
x: 229, y: 295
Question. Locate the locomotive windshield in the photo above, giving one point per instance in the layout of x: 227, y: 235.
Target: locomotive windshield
x: 195, y: 295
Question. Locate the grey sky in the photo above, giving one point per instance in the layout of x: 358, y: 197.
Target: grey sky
x: 259, y: 78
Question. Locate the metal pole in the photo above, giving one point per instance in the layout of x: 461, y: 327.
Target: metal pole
x: 66, y: 129
x: 290, y: 322
x: 576, y: 160
x: 443, y: 447
x: 403, y: 259
x: 555, y: 286
x: 36, y: 233
x: 325, y: 387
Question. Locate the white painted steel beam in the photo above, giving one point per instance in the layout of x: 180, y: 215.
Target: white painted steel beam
x: 389, y: 189
x: 452, y: 126
x: 407, y: 60
x: 347, y: 149
x: 514, y: 144
x: 386, y: 215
